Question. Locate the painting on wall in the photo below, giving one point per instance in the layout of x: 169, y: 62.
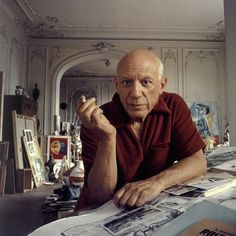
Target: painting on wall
x: 59, y: 147
x: 205, y: 117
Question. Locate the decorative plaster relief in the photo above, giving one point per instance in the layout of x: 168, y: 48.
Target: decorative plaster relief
x: 31, y: 14
x: 169, y: 53
x: 220, y: 32
x: 39, y: 25
x: 40, y: 29
x: 202, y: 55
x: 103, y: 47
x: 38, y: 52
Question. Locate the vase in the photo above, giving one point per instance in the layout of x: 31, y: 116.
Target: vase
x: 35, y: 92
x: 75, y: 174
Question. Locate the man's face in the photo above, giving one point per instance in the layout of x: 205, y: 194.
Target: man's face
x: 139, y: 84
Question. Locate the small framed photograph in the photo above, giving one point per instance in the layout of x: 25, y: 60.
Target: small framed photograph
x: 35, y: 158
x: 59, y: 147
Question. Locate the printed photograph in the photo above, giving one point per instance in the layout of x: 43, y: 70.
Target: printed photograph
x: 179, y: 189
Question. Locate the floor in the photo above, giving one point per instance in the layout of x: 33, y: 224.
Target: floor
x: 20, y: 213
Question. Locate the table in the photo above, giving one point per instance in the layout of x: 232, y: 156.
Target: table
x: 146, y: 220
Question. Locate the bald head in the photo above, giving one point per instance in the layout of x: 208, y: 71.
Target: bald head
x: 139, y: 82
x: 141, y: 57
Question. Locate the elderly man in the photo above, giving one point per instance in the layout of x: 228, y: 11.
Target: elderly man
x: 141, y: 142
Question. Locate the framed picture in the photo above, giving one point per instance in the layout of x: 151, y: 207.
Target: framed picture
x: 3, y: 165
x: 21, y: 123
x: 34, y: 156
x: 59, y: 147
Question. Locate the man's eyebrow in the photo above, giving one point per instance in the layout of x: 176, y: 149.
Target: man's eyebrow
x: 127, y: 75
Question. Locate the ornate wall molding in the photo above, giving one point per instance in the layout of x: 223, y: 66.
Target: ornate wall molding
x: 40, y: 29
x: 38, y: 25
x: 202, y: 55
x: 169, y: 53
x: 55, y: 55
x: 220, y: 32
x: 38, y: 52
x: 103, y: 47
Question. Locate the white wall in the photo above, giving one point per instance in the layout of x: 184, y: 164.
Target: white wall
x: 13, y: 48
x: 230, y: 23
x: 195, y: 70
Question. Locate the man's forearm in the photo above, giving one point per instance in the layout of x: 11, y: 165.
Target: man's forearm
x: 102, y: 177
x: 184, y: 170
x: 143, y: 191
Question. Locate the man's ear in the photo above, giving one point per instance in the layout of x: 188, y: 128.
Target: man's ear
x: 163, y: 84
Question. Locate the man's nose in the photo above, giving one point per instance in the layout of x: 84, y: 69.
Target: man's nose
x: 136, y: 90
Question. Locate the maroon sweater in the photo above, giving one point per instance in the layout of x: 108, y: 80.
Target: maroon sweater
x: 168, y: 135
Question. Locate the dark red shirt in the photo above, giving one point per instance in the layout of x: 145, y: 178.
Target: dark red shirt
x: 168, y: 135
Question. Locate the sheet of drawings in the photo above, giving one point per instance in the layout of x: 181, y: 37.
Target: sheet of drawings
x: 110, y: 220
x: 147, y: 220
x: 143, y: 219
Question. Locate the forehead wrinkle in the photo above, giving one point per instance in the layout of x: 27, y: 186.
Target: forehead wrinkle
x: 134, y: 73
x: 132, y: 64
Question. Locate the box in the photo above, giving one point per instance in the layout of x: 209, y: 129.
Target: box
x: 23, y: 180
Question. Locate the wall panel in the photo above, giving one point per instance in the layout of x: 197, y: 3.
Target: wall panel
x: 37, y: 75
x: 201, y: 75
x: 169, y: 58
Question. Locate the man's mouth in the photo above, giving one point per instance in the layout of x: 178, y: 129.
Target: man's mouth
x: 136, y: 106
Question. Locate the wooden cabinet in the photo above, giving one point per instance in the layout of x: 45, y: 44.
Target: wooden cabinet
x: 21, y: 104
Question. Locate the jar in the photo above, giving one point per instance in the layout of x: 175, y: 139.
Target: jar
x: 76, y: 173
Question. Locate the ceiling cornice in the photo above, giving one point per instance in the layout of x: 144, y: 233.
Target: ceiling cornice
x: 49, y: 27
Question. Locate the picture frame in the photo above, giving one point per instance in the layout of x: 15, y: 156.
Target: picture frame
x: 3, y: 165
x: 34, y: 156
x: 58, y: 147
x: 21, y: 123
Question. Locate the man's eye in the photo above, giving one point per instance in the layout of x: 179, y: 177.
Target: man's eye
x: 126, y: 82
x: 146, y: 82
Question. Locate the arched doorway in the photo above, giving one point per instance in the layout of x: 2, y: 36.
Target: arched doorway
x: 63, y: 66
